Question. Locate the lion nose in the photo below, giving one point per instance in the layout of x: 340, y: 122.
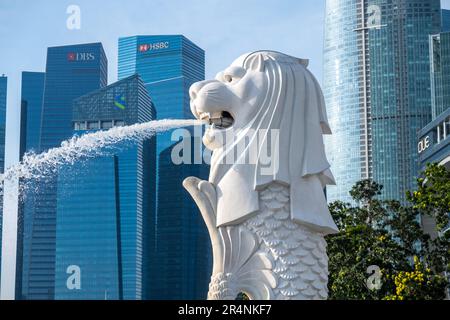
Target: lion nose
x: 196, y: 87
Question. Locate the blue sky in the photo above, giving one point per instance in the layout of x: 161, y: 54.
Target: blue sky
x: 224, y: 29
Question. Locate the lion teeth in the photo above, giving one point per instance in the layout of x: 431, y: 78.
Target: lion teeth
x: 204, y: 116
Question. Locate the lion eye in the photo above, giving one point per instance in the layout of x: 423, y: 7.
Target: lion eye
x: 228, y: 78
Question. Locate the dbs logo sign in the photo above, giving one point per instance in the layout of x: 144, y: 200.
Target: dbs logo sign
x: 80, y: 56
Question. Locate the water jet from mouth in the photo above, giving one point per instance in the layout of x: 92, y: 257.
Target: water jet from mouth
x: 89, y: 145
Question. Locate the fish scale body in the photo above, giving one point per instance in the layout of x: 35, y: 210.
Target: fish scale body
x: 298, y: 253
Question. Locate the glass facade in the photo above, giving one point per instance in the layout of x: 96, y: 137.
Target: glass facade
x: 31, y: 111
x: 32, y: 92
x: 440, y: 72
x: 377, y: 90
x: 71, y: 72
x: 183, y: 250
x: 433, y: 146
x: 105, y: 205
x: 3, y: 94
x: 434, y: 142
x: 169, y: 65
x: 445, y: 20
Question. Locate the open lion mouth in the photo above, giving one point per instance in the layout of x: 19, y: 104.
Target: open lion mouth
x: 219, y: 120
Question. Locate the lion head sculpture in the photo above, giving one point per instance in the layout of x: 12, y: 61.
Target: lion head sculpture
x: 268, y: 116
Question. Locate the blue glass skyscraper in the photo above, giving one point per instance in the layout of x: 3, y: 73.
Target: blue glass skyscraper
x: 183, y: 249
x: 168, y: 65
x: 445, y: 20
x: 71, y: 72
x: 377, y: 90
x: 32, y: 92
x: 181, y: 263
x: 3, y: 94
x: 31, y: 110
x: 440, y: 72
x: 105, y: 205
x: 440, y: 67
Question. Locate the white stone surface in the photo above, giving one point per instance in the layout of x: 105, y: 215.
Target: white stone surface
x: 264, y: 204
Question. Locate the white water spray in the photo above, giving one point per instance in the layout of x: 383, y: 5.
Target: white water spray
x: 36, y: 166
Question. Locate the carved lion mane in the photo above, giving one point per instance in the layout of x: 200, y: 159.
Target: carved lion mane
x: 275, y: 102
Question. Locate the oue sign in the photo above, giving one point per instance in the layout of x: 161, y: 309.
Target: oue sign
x: 153, y: 46
x: 423, y: 144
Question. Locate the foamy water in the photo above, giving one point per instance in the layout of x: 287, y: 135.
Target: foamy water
x: 36, y: 166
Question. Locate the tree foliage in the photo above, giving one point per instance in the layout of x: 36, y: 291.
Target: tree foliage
x: 387, y: 234
x: 433, y: 194
x: 421, y: 283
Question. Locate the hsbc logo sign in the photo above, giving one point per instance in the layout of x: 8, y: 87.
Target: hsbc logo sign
x: 80, y: 56
x: 153, y: 46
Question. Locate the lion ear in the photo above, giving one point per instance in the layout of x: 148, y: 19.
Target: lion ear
x: 257, y: 63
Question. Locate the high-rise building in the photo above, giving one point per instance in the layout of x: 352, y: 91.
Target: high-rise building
x: 32, y: 92
x: 434, y: 142
x: 440, y: 72
x: 169, y: 65
x: 445, y: 20
x: 434, y: 147
x: 183, y: 248
x: 104, y: 205
x: 434, y: 139
x: 377, y: 90
x: 3, y: 91
x: 31, y: 110
x: 71, y: 72
x: 3, y: 94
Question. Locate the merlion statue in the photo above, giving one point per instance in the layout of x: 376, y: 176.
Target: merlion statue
x: 264, y: 204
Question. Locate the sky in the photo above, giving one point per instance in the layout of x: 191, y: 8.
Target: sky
x: 224, y: 29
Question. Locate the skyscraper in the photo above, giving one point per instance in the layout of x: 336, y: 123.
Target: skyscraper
x: 32, y: 92
x: 169, y: 65
x: 377, y: 90
x: 31, y: 110
x: 183, y: 248
x: 71, y: 71
x: 434, y: 141
x: 3, y: 93
x: 104, y: 205
x: 445, y: 20
x: 440, y: 72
